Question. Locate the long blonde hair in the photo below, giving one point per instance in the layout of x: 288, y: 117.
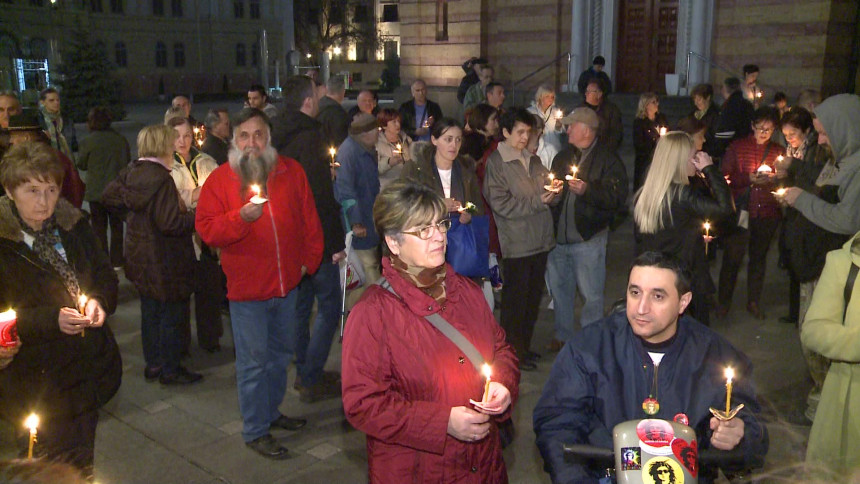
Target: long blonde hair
x: 644, y: 99
x: 666, y: 176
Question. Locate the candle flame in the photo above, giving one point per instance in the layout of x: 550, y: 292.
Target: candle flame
x: 551, y: 176
x: 82, y: 301
x: 8, y: 315
x: 32, y: 422
x: 255, y: 189
x: 487, y: 370
x: 574, y: 169
x: 764, y: 169
x: 559, y: 114
x: 662, y: 131
x: 707, y: 225
x: 730, y: 374
x: 759, y: 94
x: 332, y: 151
x: 780, y: 158
x: 780, y: 192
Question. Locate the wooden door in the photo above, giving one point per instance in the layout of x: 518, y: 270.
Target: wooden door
x: 647, y: 37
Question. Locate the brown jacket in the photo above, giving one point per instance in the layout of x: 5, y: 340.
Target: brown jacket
x: 159, y: 255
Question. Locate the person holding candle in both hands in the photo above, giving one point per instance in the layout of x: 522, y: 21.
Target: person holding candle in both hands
x: 49, y: 256
x: 392, y: 146
x: 650, y: 362
x: 405, y: 383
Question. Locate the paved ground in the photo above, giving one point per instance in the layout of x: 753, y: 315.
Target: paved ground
x: 153, y: 434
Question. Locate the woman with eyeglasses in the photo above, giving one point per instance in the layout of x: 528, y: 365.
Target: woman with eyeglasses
x: 407, y: 385
x: 750, y: 166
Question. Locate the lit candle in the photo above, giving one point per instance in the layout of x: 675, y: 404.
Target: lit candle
x: 730, y: 374
x: 572, y: 176
x: 8, y: 329
x: 759, y: 94
x: 31, y: 423
x: 332, y: 151
x: 398, y: 148
x: 764, y: 169
x: 780, y: 192
x: 257, y: 198
x: 662, y: 131
x: 707, y: 235
x: 780, y: 158
x: 487, y: 370
x: 551, y: 187
x: 559, y: 114
x: 82, y: 307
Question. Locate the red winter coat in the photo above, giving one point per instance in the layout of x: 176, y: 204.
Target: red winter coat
x: 743, y: 157
x: 262, y: 259
x: 401, y: 377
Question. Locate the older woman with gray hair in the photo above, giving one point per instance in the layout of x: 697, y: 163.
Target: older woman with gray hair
x: 58, y: 279
x: 425, y: 408
x: 545, y: 109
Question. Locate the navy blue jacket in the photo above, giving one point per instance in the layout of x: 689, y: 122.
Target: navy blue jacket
x: 358, y: 180
x: 601, y: 377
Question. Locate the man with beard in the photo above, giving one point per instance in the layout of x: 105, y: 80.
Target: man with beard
x: 295, y: 133
x: 266, y: 249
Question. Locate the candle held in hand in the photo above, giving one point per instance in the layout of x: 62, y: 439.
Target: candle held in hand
x: 764, y: 169
x: 257, y: 198
x: 32, y: 423
x: 572, y: 175
x: 487, y: 370
x: 82, y: 306
x: 663, y: 131
x: 730, y: 374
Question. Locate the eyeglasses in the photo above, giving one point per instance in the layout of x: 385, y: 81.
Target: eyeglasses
x: 763, y: 130
x: 424, y: 233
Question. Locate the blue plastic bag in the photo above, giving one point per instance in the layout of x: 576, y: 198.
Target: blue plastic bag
x: 469, y: 246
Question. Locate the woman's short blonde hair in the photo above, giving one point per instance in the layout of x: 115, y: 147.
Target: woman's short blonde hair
x: 543, y: 90
x: 30, y: 160
x: 403, y: 205
x: 155, y: 141
x: 644, y: 100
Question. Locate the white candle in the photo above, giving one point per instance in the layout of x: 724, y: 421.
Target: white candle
x: 572, y: 175
x: 764, y: 169
x: 662, y: 131
x: 82, y: 307
x: 31, y: 423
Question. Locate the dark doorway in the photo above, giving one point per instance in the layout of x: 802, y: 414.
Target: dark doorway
x: 648, y: 31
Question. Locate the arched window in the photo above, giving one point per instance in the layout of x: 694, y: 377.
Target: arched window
x: 240, y: 55
x: 160, y: 55
x: 120, y: 54
x: 179, y: 54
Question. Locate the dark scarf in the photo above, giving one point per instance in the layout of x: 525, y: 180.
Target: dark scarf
x: 430, y: 281
x: 44, y: 245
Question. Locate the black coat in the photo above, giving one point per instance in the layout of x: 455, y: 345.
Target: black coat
x: 407, y: 116
x: 55, y: 374
x: 682, y: 233
x: 335, y: 121
x: 298, y: 136
x: 734, y: 122
x: 216, y: 148
x: 159, y: 255
x: 606, y: 191
x: 646, y: 133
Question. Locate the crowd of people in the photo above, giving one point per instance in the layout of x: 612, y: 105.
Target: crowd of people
x: 256, y: 214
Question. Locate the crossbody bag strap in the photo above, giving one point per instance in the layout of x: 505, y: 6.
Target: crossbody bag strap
x: 849, y: 288
x: 446, y: 329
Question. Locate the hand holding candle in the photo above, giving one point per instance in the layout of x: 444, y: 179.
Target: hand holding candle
x: 707, y: 236
x: 572, y: 175
x: 257, y: 199
x: 32, y: 423
x: 554, y: 185
x: 333, y: 152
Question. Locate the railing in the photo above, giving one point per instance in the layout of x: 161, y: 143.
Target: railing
x: 551, y: 63
x: 718, y: 66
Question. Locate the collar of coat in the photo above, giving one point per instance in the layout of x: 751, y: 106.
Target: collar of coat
x: 10, y: 227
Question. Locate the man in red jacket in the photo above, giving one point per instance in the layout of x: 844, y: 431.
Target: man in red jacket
x: 267, y: 246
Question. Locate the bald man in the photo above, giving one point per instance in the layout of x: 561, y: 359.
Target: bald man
x: 9, y: 106
x: 419, y: 113
x: 367, y: 103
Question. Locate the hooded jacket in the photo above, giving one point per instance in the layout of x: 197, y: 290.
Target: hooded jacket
x: 159, y: 254
x: 358, y: 180
x: 840, y: 116
x: 298, y: 136
x: 55, y: 374
x: 833, y: 330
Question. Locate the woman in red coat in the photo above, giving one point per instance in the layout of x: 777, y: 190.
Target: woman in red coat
x: 405, y: 384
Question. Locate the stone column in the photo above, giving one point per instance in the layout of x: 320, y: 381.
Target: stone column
x: 579, y: 40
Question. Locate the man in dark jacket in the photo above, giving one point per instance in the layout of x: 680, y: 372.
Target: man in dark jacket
x: 217, y: 142
x: 595, y: 72
x: 611, y: 131
x: 418, y: 114
x: 332, y: 115
x: 472, y: 68
x: 609, y: 375
x: 596, y: 192
x: 296, y: 134
x: 736, y: 115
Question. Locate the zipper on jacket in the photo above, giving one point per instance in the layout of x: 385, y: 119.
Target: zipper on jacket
x: 277, y: 251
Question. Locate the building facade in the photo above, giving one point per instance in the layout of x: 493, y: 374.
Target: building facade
x: 160, y: 47
x: 796, y: 44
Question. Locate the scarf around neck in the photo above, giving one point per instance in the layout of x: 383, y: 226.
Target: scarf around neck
x: 430, y: 281
x: 45, y: 241
x: 54, y: 123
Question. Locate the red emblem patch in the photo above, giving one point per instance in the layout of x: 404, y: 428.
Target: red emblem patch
x: 687, y: 454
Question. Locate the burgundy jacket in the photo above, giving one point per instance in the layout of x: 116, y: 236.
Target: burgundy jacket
x: 744, y: 157
x: 401, y: 377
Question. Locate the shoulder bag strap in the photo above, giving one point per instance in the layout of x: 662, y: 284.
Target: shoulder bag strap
x: 446, y: 329
x: 849, y: 288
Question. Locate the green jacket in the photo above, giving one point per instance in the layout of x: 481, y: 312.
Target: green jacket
x: 474, y: 96
x: 834, y: 332
x: 102, y: 154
